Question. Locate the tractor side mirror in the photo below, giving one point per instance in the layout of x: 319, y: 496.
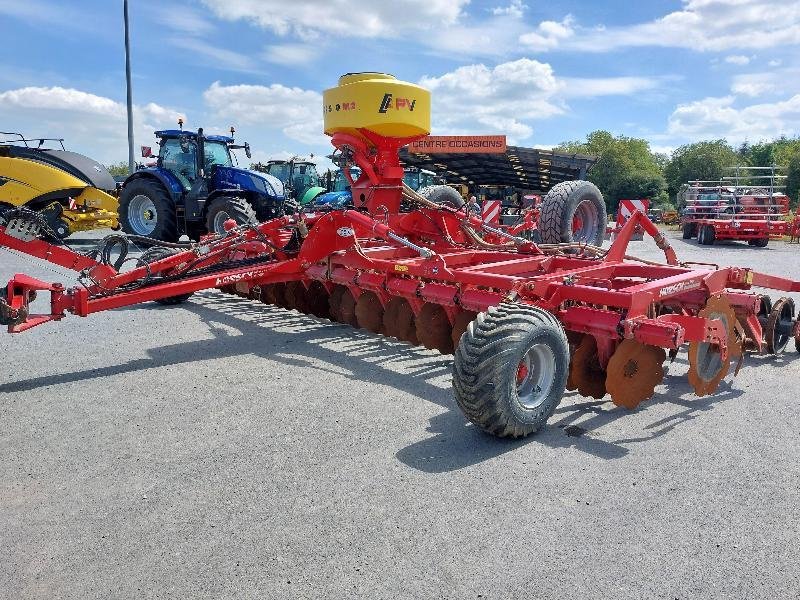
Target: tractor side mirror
x: 184, y: 142
x: 247, y: 152
x: 147, y: 152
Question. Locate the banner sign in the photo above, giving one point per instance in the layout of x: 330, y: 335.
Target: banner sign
x: 459, y: 144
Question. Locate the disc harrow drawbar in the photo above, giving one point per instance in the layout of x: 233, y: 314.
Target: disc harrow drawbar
x: 524, y: 321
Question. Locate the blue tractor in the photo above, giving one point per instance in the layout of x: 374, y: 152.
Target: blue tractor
x: 193, y: 188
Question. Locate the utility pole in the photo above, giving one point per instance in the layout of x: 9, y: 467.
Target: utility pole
x: 131, y: 165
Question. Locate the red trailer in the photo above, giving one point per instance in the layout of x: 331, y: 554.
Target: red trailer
x: 748, y: 205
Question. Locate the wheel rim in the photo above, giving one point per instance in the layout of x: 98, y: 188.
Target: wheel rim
x: 219, y: 221
x: 535, y: 375
x: 142, y: 215
x: 585, y: 222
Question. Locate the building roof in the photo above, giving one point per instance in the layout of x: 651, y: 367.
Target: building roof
x: 529, y: 169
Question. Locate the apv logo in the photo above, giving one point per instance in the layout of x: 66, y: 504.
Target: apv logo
x: 389, y: 102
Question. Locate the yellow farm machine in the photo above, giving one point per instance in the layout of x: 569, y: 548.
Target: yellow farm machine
x: 69, y: 191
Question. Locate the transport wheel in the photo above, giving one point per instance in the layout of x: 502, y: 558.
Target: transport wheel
x: 689, y: 231
x: 223, y: 209
x: 145, y: 209
x: 779, y: 327
x: 442, y: 194
x: 573, y: 211
x: 709, y: 235
x: 510, y: 369
x: 761, y: 242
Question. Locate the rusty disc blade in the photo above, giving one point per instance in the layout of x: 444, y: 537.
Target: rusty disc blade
x: 706, y: 367
x: 460, y: 324
x: 318, y: 298
x: 347, y: 309
x: 433, y: 328
x: 585, y: 372
x: 398, y: 320
x: 369, y: 312
x: 634, y: 371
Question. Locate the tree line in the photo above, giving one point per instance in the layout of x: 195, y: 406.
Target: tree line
x: 627, y: 168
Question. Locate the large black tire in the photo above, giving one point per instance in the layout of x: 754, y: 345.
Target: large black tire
x: 761, y: 242
x: 490, y: 387
x: 134, y: 214
x: 689, y: 231
x: 222, y: 209
x: 709, y: 235
x: 442, y: 194
x: 560, y: 206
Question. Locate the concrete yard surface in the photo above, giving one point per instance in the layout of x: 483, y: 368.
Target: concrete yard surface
x: 227, y: 449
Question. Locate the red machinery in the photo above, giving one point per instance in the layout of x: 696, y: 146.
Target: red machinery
x: 748, y: 205
x: 524, y: 321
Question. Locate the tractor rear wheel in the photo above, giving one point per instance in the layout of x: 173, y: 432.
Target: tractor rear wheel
x: 222, y: 209
x: 146, y: 209
x: 442, y: 194
x: 573, y: 211
x: 510, y: 369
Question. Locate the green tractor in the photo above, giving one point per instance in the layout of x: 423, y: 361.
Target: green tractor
x: 300, y: 178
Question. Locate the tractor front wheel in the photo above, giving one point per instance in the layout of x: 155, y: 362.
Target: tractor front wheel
x: 145, y: 209
x: 510, y: 369
x: 222, y: 209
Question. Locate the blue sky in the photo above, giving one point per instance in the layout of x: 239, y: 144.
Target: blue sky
x: 541, y: 72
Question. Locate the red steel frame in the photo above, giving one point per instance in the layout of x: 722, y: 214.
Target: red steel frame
x: 424, y: 256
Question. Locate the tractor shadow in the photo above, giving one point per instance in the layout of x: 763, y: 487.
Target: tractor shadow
x: 240, y: 326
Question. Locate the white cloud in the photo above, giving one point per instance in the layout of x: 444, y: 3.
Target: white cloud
x: 294, y: 111
x: 182, y: 18
x: 349, y: 18
x: 776, y: 83
x: 703, y: 25
x: 774, y: 63
x: 549, y: 34
x: 91, y: 124
x: 508, y: 98
x: 720, y: 117
x: 219, y: 57
x: 291, y: 54
x: 516, y: 9
x: 479, y: 99
x: 588, y: 87
x: 737, y: 59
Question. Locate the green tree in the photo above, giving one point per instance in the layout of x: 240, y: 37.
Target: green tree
x: 625, y: 168
x: 793, y: 180
x: 118, y: 169
x: 701, y: 161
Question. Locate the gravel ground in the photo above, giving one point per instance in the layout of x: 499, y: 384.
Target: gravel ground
x: 226, y: 449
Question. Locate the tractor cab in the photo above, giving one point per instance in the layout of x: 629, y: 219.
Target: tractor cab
x: 417, y: 179
x: 300, y: 178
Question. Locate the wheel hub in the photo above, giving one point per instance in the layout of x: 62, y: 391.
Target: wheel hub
x: 535, y: 375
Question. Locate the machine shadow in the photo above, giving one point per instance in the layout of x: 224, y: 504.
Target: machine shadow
x: 242, y: 326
